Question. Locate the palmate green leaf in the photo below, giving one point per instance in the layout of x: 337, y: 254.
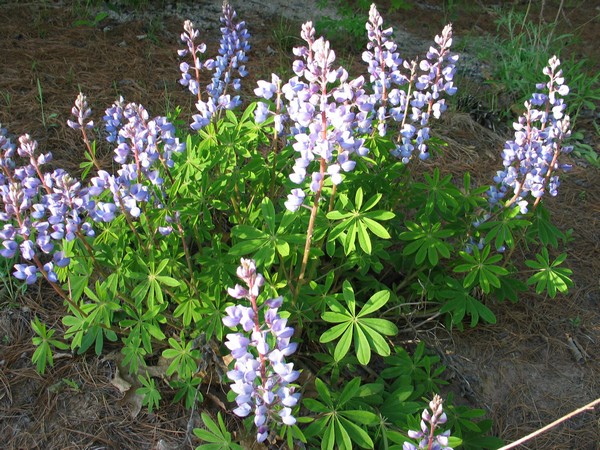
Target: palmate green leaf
x: 78, y: 321
x: 184, y: 358
x: 150, y: 392
x: 189, y: 309
x: 364, y: 332
x: 466, y: 304
x: 42, y: 356
x: 549, y: 277
x: 79, y: 277
x: 133, y: 354
x: 336, y: 425
x: 427, y: 242
x: 481, y: 269
x: 544, y: 229
x: 501, y: 231
x: 358, y: 223
x: 93, y: 335
x: 217, y: 435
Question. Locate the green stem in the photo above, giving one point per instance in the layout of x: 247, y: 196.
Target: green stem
x: 57, y: 288
x: 309, y: 232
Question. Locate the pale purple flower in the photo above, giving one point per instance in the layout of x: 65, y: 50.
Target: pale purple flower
x: 81, y: 112
x: 430, y: 421
x: 261, y: 377
x: 531, y: 159
x: 25, y: 272
x: 231, y: 58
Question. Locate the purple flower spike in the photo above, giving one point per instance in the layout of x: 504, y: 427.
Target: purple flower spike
x: 261, y: 377
x: 428, y: 80
x: 531, y: 158
x: 231, y: 58
x: 429, y: 423
x: 323, y: 106
x: 81, y: 112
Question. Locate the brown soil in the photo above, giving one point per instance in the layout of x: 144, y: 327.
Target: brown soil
x: 522, y: 370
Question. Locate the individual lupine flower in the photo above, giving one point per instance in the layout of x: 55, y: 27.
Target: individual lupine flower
x: 10, y: 248
x: 430, y: 421
x: 261, y: 377
x: 25, y: 272
x: 531, y: 159
x: 81, y: 112
x: 267, y: 91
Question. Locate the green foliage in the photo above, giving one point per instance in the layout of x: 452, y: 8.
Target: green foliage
x: 501, y: 231
x: 149, y: 392
x: 358, y: 223
x: 481, y: 269
x: 183, y: 358
x: 44, y: 342
x: 460, y: 302
x: 549, y: 277
x: 347, y: 28
x: 426, y: 241
x: 216, y: 436
x: 339, y: 420
x: 366, y: 332
x: 91, y: 22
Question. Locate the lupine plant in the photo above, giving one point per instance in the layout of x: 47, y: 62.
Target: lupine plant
x: 306, y: 198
